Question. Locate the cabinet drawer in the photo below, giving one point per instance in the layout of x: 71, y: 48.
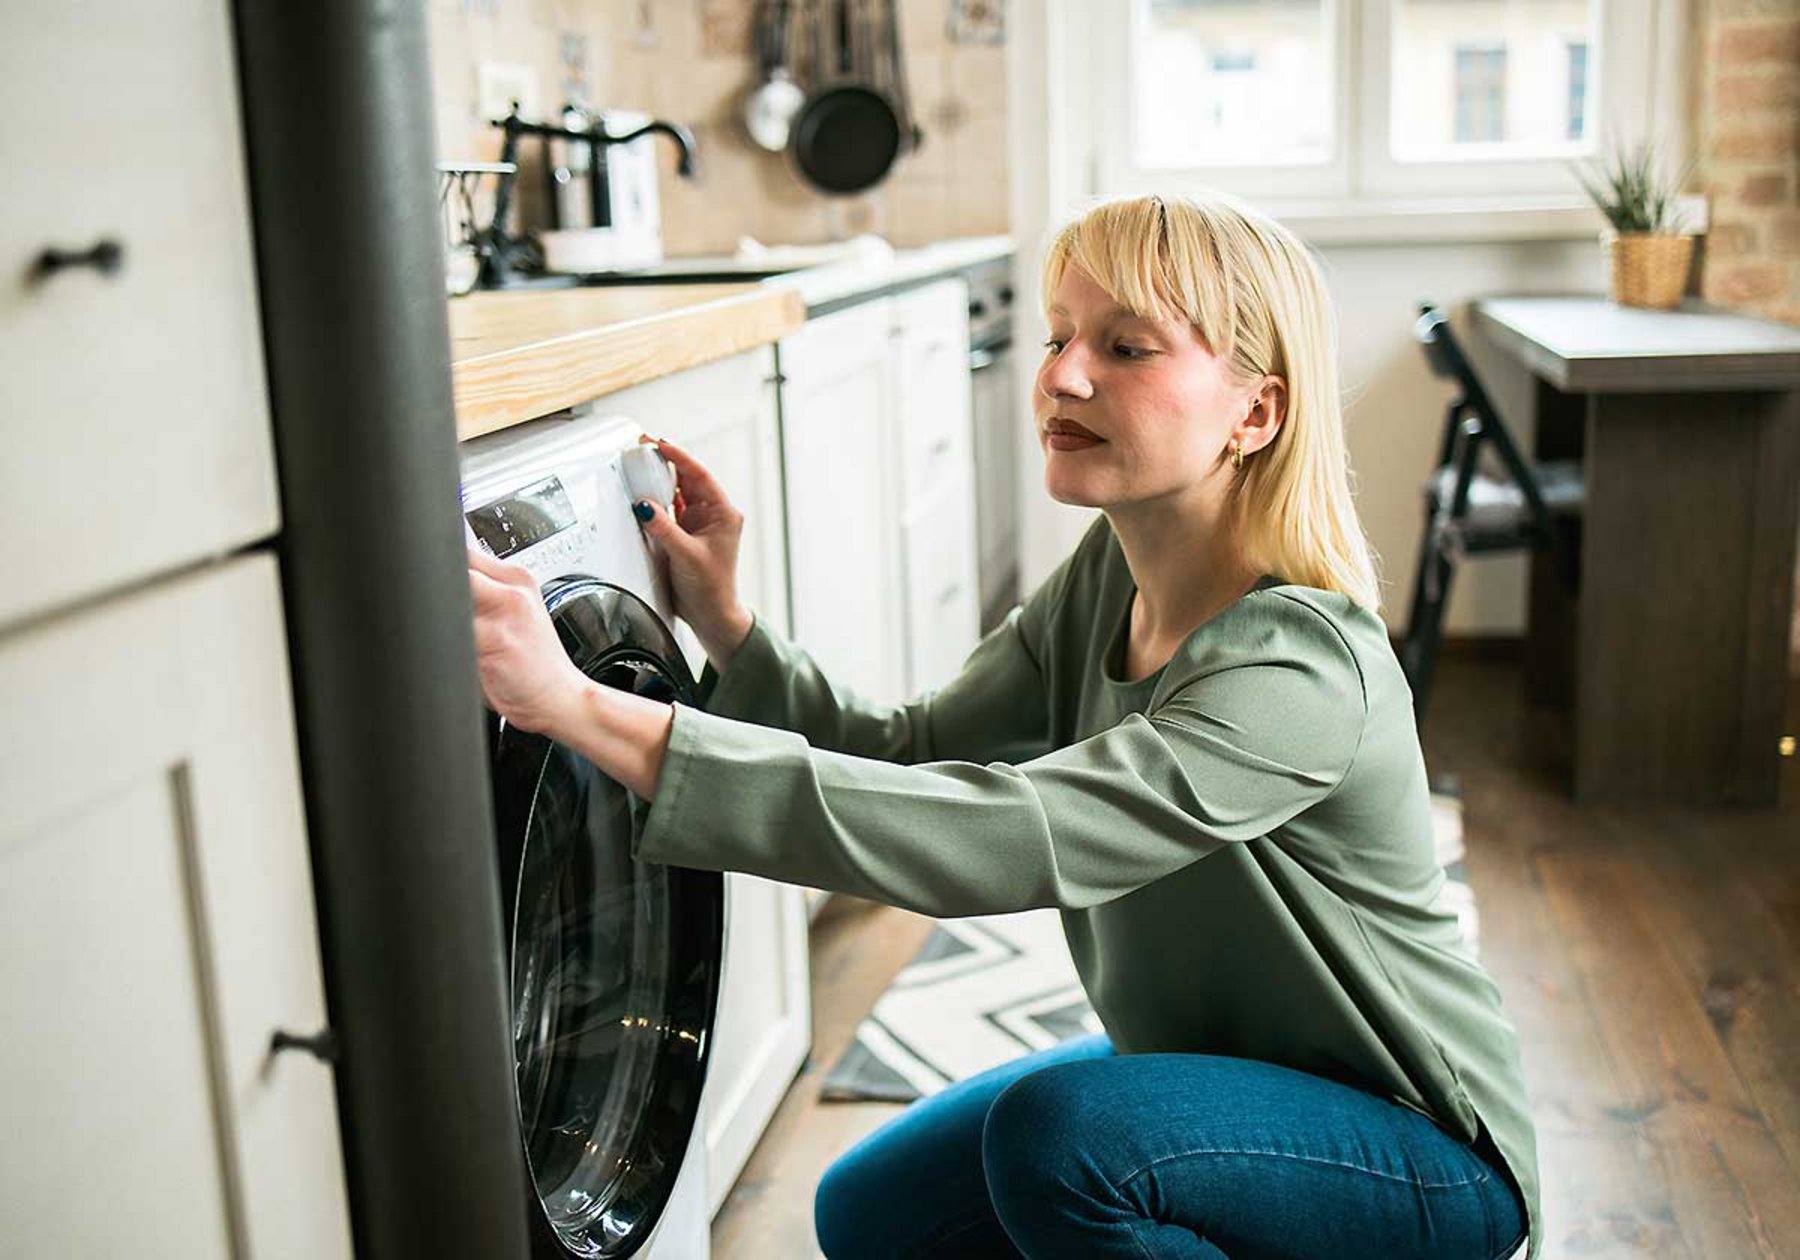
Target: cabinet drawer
x: 134, y: 402
x: 932, y: 386
x: 826, y: 348
x: 943, y: 601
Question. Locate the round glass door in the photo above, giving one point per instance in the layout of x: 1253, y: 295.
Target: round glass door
x: 614, y: 962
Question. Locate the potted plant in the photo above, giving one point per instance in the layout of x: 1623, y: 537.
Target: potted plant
x: 1648, y: 254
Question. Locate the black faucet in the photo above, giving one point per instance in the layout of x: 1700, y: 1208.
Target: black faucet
x: 499, y: 252
x: 683, y: 138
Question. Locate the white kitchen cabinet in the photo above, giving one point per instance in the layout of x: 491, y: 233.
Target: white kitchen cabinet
x: 932, y: 393
x: 725, y: 414
x: 843, y: 496
x: 156, y: 928
x: 942, y: 587
x: 935, y: 440
x: 876, y: 432
x: 133, y: 404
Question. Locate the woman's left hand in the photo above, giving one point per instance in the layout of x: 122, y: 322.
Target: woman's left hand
x: 526, y: 675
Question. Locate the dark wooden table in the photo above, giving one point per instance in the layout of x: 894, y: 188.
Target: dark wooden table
x: 1673, y: 658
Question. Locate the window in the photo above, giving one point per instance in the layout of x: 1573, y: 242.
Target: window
x: 1578, y: 55
x: 1234, y: 92
x: 1480, y: 95
x: 1223, y: 82
x: 1490, y: 73
x: 1350, y: 100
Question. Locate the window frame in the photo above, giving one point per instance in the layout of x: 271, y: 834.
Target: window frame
x: 1116, y: 169
x: 1363, y: 174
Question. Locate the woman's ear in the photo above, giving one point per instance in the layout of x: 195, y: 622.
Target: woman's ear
x: 1263, y: 420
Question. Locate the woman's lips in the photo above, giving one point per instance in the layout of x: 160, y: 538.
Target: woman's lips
x: 1066, y: 435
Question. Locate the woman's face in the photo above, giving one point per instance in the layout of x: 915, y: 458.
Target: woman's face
x: 1130, y: 409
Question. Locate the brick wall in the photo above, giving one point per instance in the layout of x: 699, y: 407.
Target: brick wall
x: 1748, y: 137
x: 1746, y: 93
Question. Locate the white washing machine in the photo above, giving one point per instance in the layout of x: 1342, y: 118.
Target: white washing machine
x: 614, y: 965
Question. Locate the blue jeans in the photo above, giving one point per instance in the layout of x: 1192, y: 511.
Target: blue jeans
x: 1077, y: 1151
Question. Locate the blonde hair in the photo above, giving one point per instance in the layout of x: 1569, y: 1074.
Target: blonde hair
x: 1254, y: 295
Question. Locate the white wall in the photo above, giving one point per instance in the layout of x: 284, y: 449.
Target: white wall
x: 1395, y: 407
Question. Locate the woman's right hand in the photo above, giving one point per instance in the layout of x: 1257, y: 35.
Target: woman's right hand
x: 701, y: 543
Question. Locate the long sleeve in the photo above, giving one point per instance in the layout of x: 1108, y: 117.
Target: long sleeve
x: 1267, y: 725
x: 995, y: 709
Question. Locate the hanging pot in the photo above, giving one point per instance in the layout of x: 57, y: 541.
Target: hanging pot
x: 848, y: 133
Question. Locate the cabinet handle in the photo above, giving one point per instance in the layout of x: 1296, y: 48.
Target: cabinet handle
x: 105, y: 256
x: 322, y: 1045
x: 949, y: 593
x: 939, y: 447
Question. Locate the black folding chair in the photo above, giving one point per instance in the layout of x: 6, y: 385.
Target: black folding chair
x: 1472, y: 511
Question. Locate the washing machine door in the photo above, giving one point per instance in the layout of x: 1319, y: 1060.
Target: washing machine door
x: 614, y: 963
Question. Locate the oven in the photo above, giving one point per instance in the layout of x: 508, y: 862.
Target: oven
x: 993, y: 416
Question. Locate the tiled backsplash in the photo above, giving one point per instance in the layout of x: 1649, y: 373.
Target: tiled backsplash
x: 690, y: 61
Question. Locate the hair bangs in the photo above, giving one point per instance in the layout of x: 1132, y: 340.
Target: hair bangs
x: 1155, y: 267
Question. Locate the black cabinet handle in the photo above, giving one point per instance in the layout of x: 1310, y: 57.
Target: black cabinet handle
x: 322, y: 1045
x: 105, y: 256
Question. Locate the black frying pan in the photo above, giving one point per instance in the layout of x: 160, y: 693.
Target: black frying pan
x: 848, y: 133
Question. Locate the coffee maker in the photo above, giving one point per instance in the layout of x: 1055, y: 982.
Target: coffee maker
x: 601, y: 168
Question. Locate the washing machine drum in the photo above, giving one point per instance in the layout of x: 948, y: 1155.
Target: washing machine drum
x: 614, y: 963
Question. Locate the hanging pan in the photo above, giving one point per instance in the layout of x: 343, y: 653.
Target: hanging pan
x: 849, y: 132
x: 769, y: 112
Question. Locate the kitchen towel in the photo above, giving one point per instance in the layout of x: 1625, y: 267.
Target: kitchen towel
x: 984, y: 990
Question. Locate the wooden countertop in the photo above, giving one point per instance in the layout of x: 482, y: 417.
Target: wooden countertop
x: 1591, y: 345
x: 516, y: 356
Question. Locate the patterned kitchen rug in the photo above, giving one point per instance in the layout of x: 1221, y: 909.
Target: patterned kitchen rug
x: 984, y: 990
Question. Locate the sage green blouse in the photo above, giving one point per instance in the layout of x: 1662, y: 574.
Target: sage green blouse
x: 1240, y: 844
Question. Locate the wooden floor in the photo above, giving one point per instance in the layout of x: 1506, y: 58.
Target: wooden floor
x: 1650, y: 960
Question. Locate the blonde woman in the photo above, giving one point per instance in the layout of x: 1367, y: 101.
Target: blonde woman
x: 1193, y: 739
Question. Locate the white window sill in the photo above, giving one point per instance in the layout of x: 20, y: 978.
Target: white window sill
x: 1445, y: 220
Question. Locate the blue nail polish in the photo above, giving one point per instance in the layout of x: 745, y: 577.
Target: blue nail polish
x: 642, y: 510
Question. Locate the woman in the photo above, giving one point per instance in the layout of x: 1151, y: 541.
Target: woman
x: 1193, y: 739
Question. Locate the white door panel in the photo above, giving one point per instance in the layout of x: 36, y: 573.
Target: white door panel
x: 156, y: 928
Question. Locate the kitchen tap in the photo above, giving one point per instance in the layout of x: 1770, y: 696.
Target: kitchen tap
x: 502, y: 254
x: 683, y: 138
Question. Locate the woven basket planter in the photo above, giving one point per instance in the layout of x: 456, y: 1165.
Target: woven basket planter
x: 1649, y: 268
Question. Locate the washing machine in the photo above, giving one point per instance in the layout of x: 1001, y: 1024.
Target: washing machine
x: 614, y: 964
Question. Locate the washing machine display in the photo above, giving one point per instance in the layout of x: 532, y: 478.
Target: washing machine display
x: 537, y: 512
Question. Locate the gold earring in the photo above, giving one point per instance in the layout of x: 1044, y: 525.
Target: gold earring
x: 1237, y: 456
